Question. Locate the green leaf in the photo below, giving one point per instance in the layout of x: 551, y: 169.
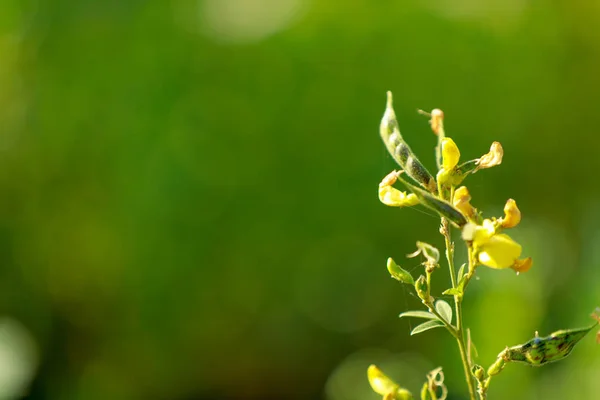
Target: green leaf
x: 445, y: 310
x: 398, y: 273
x: 418, y: 314
x: 425, y: 326
x: 459, y: 290
x: 461, y: 272
x: 453, y: 292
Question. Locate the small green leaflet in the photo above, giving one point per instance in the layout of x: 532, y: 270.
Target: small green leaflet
x: 418, y: 314
x: 425, y: 326
x: 445, y: 310
x: 461, y: 272
x: 459, y: 290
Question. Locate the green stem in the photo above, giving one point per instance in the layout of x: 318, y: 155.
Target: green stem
x: 466, y: 366
x: 449, y: 250
x: 429, y: 304
x: 448, y: 326
x: 482, y: 388
x: 438, y: 149
x: 460, y: 337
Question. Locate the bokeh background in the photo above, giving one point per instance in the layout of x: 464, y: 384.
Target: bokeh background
x: 188, y: 203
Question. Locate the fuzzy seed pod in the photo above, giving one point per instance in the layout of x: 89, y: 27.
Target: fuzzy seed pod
x: 398, y: 148
x: 542, y: 350
x: 442, y: 207
x: 497, y: 366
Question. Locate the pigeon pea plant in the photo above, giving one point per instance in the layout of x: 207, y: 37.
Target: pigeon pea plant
x: 487, y: 245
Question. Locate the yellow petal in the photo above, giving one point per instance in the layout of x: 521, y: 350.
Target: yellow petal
x: 462, y: 200
x: 522, y: 265
x: 489, y: 226
x: 450, y: 154
x: 500, y: 251
x: 389, y: 179
x: 380, y: 383
x: 481, y: 234
x: 393, y: 197
x: 493, y: 158
x: 512, y: 214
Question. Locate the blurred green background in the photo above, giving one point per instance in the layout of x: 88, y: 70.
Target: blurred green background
x: 188, y: 203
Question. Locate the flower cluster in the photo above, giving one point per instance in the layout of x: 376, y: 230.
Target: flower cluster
x: 490, y: 246
x: 487, y: 245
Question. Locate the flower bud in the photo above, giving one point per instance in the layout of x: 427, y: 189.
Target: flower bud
x: 478, y: 372
x: 380, y: 383
x: 450, y: 154
x: 421, y: 288
x: 493, y: 158
x: 512, y: 214
x: 448, y: 179
x: 386, y: 387
x: 437, y: 120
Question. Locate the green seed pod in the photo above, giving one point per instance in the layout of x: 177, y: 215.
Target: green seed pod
x: 497, y: 366
x: 542, y: 350
x: 398, y: 148
x: 442, y: 207
x: 398, y: 273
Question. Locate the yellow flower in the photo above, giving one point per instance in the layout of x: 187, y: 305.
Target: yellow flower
x: 499, y: 251
x: 495, y: 250
x: 450, y: 154
x: 393, y: 197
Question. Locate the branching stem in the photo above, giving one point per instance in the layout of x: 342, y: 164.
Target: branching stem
x: 460, y: 337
